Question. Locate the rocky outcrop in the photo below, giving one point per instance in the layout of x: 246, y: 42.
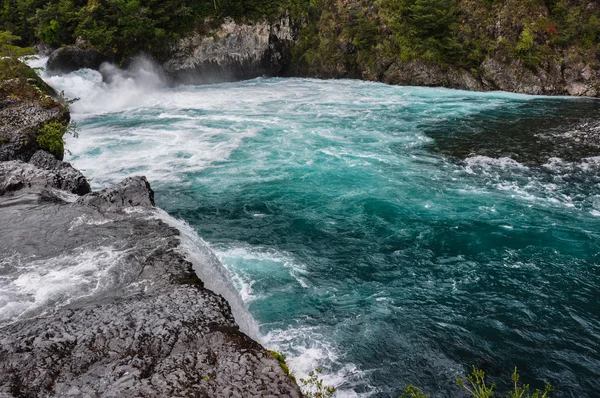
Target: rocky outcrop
x: 232, y: 52
x: 131, y: 192
x: 419, y: 73
x: 574, y: 76
x: 43, y: 172
x: 71, y: 58
x: 24, y: 110
x: 149, y: 328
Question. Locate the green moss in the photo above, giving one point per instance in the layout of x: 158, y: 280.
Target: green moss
x: 51, y: 138
x: 281, y: 359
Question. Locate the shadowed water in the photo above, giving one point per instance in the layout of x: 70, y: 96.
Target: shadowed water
x: 392, y: 235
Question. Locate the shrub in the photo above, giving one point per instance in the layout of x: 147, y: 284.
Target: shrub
x: 51, y: 138
x: 313, y: 387
x: 477, y: 387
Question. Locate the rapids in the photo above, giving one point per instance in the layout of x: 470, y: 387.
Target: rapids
x: 391, y: 235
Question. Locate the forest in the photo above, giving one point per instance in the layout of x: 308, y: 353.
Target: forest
x: 354, y: 33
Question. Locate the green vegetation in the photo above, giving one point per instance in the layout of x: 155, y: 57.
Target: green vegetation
x: 313, y: 387
x: 51, y: 138
x: 281, y: 359
x: 51, y: 135
x: 124, y: 27
x: 364, y: 37
x: 413, y: 392
x: 10, y: 65
x: 357, y: 38
x: 476, y: 387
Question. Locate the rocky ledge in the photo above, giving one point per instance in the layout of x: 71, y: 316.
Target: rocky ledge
x: 114, y: 308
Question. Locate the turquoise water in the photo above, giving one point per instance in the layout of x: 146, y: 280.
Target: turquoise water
x: 391, y: 235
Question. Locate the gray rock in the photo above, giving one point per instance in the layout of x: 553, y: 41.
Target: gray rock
x: 151, y: 329
x: 52, y: 173
x: 22, y: 119
x: 131, y: 192
x: 232, y: 52
x: 420, y: 73
x: 72, y: 58
x: 68, y: 178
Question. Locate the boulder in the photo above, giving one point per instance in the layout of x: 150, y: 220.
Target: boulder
x: 131, y: 192
x: 52, y: 173
x: 72, y: 58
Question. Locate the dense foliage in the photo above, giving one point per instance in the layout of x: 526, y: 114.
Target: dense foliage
x: 345, y: 34
x: 362, y: 36
x: 10, y: 65
x: 123, y: 27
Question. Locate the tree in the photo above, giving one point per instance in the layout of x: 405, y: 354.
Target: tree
x: 10, y: 54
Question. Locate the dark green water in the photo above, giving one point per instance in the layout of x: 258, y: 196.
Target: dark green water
x: 391, y: 235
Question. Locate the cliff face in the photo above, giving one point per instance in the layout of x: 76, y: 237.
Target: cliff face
x: 232, y: 52
x: 542, y: 47
x: 116, y: 309
x: 574, y: 75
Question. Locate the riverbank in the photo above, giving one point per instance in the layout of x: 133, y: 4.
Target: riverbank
x: 99, y: 297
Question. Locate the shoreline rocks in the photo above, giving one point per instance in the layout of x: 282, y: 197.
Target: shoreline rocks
x: 24, y: 111
x: 131, y: 318
x: 152, y: 329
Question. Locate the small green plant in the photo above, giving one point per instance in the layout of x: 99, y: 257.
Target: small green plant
x: 413, y: 392
x: 477, y: 387
x: 313, y: 387
x: 281, y: 359
x: 51, y: 138
x: 523, y: 392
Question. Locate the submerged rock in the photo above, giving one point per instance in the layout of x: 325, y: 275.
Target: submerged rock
x: 72, y: 58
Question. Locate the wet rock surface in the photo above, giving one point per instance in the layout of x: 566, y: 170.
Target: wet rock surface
x: 136, y: 320
x: 17, y: 175
x: 131, y: 192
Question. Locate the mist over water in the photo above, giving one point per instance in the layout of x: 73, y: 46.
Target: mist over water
x: 391, y: 235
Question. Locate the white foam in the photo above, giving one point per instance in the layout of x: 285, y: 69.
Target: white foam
x: 307, y: 349
x: 485, y: 164
x: 264, y: 254
x: 53, y: 282
x: 212, y: 272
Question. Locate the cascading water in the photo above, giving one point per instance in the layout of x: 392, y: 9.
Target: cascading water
x: 391, y: 235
